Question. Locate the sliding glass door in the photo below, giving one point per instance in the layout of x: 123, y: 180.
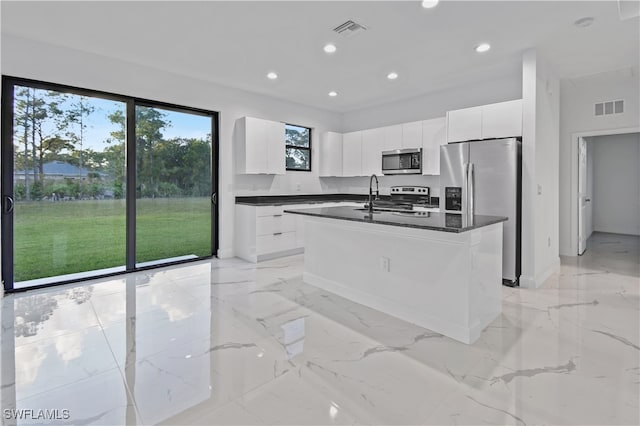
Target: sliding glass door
x: 173, y: 185
x: 68, y: 196
x: 81, y: 199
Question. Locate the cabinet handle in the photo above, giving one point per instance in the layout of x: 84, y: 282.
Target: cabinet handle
x: 277, y: 215
x: 277, y: 233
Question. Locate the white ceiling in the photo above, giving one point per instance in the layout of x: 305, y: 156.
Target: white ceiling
x: 237, y: 43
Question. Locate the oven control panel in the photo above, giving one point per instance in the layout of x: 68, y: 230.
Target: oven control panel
x: 412, y: 190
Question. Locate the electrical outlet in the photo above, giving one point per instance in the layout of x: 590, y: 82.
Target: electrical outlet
x: 298, y: 187
x: 539, y: 189
x: 549, y: 241
x: 385, y: 264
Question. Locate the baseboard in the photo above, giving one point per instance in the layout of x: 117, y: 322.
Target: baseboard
x: 528, y: 281
x: 278, y: 254
x: 226, y: 253
x: 551, y: 268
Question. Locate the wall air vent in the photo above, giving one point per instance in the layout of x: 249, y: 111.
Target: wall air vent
x: 349, y: 29
x: 609, y: 107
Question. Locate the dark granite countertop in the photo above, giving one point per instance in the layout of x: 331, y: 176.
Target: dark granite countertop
x: 283, y: 200
x: 446, y: 222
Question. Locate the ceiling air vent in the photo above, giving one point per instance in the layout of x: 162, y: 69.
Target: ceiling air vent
x: 349, y: 29
x: 609, y: 107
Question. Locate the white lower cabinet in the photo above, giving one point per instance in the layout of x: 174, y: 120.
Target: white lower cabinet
x: 263, y: 232
x: 266, y: 232
x: 276, y: 243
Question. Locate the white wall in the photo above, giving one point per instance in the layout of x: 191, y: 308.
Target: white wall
x: 577, y: 115
x: 27, y: 59
x: 547, y: 173
x: 504, y: 87
x: 540, y: 156
x: 616, y: 183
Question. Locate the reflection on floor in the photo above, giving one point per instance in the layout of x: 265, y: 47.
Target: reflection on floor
x: 228, y: 342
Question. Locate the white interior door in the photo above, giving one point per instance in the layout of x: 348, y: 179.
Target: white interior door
x: 583, y: 198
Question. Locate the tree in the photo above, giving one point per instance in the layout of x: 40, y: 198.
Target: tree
x: 40, y: 121
x: 185, y: 163
x: 297, y: 152
x: 149, y: 125
x: 22, y: 113
x: 75, y: 120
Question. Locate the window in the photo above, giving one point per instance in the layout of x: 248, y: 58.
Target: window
x: 95, y: 183
x: 298, y: 147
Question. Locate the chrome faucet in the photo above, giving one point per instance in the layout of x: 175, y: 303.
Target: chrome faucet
x: 373, y: 176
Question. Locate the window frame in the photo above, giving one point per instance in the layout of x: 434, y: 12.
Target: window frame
x: 6, y: 177
x: 286, y: 146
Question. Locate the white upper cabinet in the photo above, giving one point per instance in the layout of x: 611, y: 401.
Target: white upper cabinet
x: 502, y: 120
x: 392, y: 137
x: 372, y: 147
x: 261, y: 146
x: 464, y: 124
x: 352, y: 154
x: 499, y: 120
x: 412, y: 135
x: 276, y: 151
x: 331, y: 154
x: 433, y: 137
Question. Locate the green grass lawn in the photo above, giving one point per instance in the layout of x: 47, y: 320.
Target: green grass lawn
x: 76, y: 236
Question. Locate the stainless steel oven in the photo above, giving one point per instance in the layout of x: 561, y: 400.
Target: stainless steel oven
x: 402, y: 161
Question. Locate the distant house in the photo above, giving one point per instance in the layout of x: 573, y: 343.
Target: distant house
x: 56, y: 170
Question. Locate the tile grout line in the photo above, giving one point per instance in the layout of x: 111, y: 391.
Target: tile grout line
x: 115, y: 360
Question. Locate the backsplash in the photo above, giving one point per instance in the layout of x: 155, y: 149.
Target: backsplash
x: 294, y: 183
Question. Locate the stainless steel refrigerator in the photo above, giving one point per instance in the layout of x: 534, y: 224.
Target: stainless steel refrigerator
x: 484, y: 178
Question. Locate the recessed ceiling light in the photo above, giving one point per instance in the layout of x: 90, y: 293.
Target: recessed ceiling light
x: 584, y: 22
x: 333, y: 94
x: 483, y: 47
x: 428, y: 4
x: 392, y: 75
x: 272, y: 76
x: 330, y: 48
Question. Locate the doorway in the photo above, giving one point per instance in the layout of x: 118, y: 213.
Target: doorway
x: 608, y: 192
x: 97, y: 184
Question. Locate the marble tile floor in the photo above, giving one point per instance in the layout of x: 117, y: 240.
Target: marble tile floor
x: 229, y: 342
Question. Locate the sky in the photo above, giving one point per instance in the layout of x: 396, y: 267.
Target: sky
x: 99, y: 127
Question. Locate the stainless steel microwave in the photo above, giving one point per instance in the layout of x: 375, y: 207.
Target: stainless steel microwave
x: 402, y: 161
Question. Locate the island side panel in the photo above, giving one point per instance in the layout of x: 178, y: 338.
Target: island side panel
x: 429, y: 277
x: 485, y: 290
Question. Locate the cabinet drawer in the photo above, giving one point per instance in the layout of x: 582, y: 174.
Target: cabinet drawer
x: 269, y: 210
x: 268, y: 225
x: 275, y: 243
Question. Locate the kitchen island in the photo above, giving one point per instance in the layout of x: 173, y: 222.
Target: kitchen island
x: 431, y: 269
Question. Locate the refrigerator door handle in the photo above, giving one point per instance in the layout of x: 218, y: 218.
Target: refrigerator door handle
x: 470, y: 191
x: 465, y: 189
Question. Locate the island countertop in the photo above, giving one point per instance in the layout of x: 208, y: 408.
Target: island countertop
x: 445, y: 222
x: 283, y: 200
